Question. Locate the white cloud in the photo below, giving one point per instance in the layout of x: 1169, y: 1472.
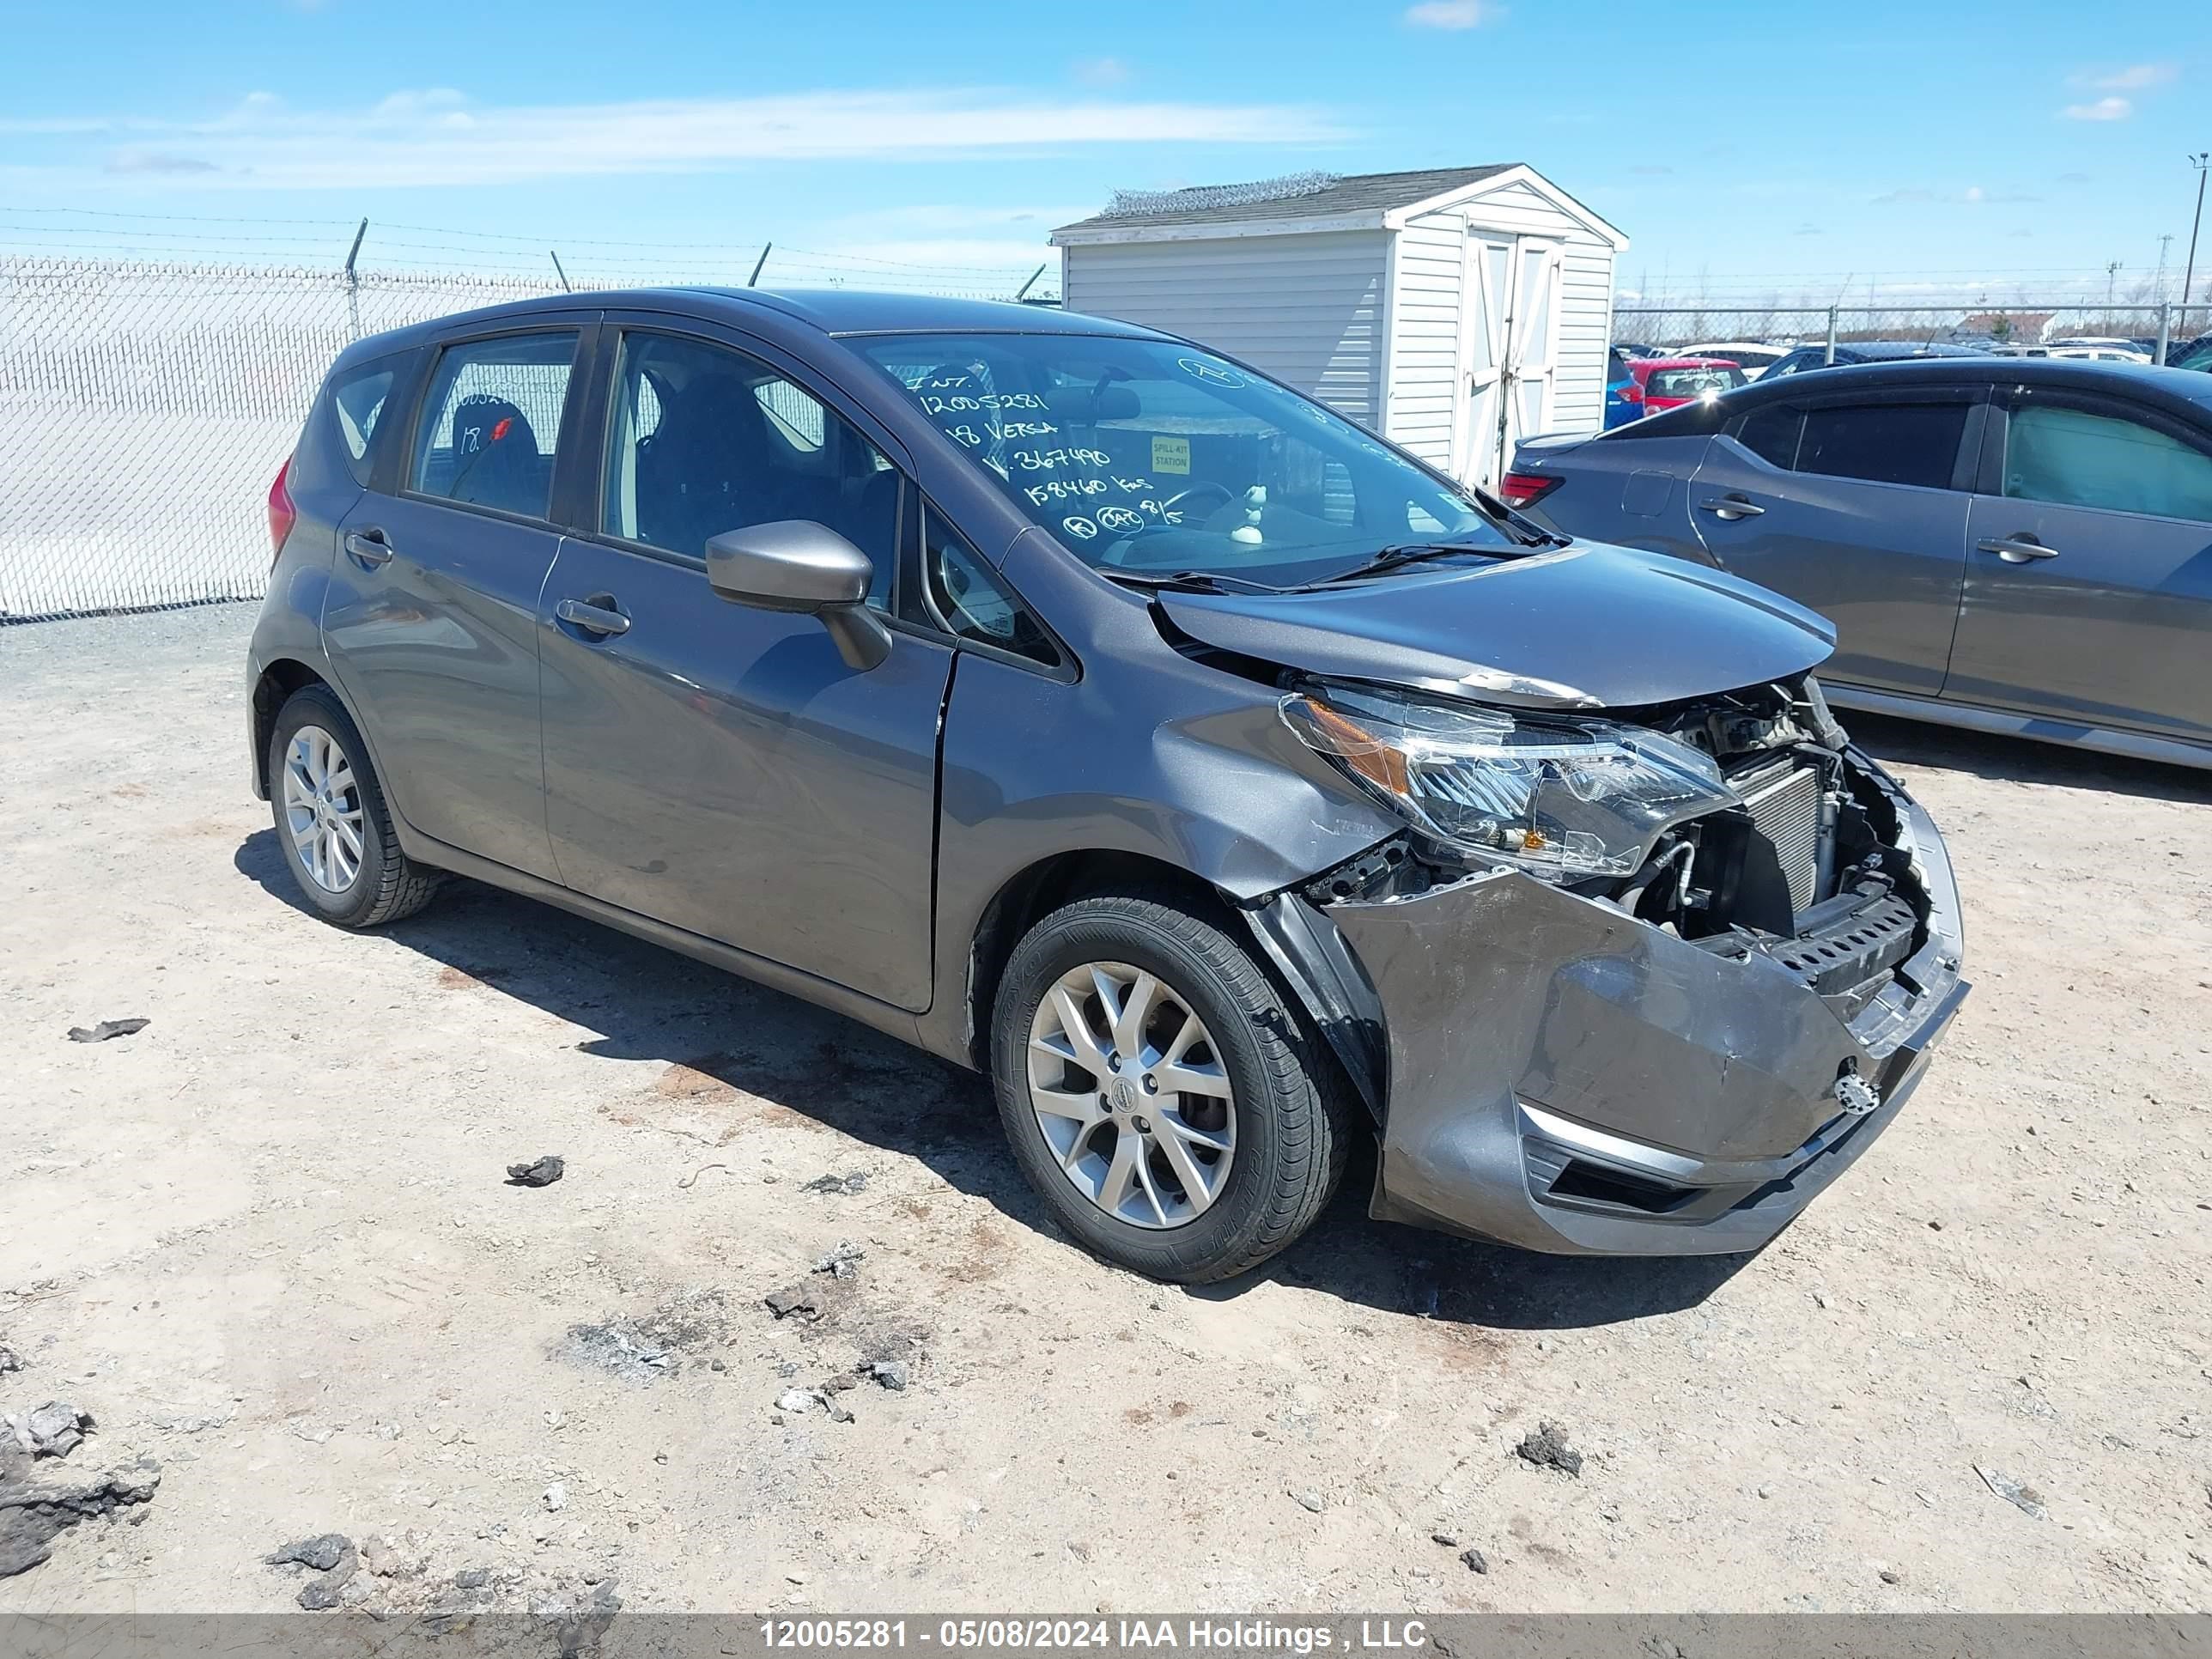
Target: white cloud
x: 1102, y: 71
x: 2105, y: 109
x: 427, y: 138
x: 1451, y: 13
x: 2135, y: 77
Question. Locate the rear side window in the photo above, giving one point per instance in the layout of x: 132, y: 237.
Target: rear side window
x: 491, y: 420
x: 1771, y: 434
x: 1915, y: 444
x: 356, y: 406
x: 2072, y: 457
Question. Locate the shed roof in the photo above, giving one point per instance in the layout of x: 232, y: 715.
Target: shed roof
x: 1356, y: 193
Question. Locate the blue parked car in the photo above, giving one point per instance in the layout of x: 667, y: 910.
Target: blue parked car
x: 1623, y: 402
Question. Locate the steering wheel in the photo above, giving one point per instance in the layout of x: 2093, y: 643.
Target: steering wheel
x: 1206, y: 486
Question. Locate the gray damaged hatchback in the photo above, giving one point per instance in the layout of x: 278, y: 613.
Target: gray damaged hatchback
x: 1087, y: 709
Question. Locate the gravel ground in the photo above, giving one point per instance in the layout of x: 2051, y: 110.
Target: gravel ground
x: 266, y: 1242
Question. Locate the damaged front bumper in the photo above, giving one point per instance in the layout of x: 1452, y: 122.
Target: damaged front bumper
x: 1552, y: 1073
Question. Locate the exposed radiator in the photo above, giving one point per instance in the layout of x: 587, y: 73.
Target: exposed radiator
x: 1784, y: 800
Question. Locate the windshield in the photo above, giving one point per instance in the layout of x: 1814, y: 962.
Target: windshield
x: 1145, y: 456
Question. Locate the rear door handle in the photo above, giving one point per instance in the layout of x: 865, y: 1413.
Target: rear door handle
x: 2017, y: 550
x: 595, y: 616
x: 1731, y: 508
x: 367, y: 548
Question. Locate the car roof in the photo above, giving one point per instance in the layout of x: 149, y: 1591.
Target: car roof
x: 2140, y: 381
x: 1879, y: 350
x: 827, y: 310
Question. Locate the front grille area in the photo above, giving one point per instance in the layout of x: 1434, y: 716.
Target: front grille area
x: 1785, y: 801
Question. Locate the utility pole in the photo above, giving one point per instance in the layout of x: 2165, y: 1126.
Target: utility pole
x: 2199, y: 162
x: 2157, y: 282
x: 2111, y: 275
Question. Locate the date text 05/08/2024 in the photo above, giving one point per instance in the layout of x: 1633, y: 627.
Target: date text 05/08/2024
x: 1016, y: 1635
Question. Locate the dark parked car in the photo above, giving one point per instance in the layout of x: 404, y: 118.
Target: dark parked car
x: 1087, y: 709
x: 1865, y: 351
x: 2016, y: 544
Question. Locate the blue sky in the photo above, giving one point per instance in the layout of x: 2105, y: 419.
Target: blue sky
x: 1743, y: 147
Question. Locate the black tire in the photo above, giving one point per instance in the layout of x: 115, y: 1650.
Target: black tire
x: 388, y: 884
x: 1292, y: 1126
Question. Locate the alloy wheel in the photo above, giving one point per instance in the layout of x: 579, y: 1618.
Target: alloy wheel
x: 1130, y: 1095
x: 322, y: 809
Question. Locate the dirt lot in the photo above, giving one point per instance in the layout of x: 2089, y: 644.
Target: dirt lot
x: 266, y: 1241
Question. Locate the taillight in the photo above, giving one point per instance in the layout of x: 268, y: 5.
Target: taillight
x: 1520, y: 490
x: 1632, y: 393
x: 282, y: 515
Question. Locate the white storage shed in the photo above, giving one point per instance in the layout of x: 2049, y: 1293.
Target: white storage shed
x: 1453, y: 310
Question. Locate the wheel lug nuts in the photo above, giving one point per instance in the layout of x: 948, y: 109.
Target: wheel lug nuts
x: 1140, y: 1125
x: 1152, y: 1084
x: 1113, y: 1062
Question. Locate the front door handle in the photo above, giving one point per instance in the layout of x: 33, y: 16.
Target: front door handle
x: 2017, y: 550
x: 596, y: 614
x: 367, y: 548
x: 1731, y: 508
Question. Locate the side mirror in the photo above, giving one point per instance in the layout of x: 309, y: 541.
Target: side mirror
x: 798, y: 565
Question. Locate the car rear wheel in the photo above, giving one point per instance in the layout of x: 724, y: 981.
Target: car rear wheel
x: 331, y: 819
x: 1170, y: 1107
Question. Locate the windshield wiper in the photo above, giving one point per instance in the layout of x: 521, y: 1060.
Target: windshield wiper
x: 1404, y: 553
x: 1197, y: 581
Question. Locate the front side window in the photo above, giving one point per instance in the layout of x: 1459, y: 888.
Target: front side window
x: 1149, y: 456
x: 2072, y: 457
x: 490, y: 422
x: 705, y: 439
x: 1915, y: 444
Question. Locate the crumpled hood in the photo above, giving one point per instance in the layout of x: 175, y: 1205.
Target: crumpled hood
x: 1581, y: 626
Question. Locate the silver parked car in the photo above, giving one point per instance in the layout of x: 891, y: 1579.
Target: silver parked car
x: 2016, y: 545
x: 1089, y: 709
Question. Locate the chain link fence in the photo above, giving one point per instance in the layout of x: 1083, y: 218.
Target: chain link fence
x: 2147, y: 333
x: 145, y: 409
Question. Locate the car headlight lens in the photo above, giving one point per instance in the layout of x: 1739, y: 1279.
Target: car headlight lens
x: 1563, y: 799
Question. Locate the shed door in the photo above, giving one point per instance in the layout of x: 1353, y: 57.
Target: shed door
x: 1511, y: 338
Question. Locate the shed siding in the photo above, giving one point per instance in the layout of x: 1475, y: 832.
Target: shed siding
x: 1307, y: 309
x: 1424, y: 348
x: 1426, y: 373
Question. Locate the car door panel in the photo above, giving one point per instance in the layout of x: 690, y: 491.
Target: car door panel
x: 720, y: 768
x: 715, y: 766
x: 431, y: 621
x: 2084, y: 612
x: 1882, y: 561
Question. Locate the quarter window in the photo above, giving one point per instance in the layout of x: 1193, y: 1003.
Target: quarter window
x: 357, y: 404
x: 1915, y: 444
x: 706, y: 440
x: 2072, y: 457
x: 971, y: 601
x: 491, y: 420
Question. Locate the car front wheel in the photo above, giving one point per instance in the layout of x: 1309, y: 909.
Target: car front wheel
x: 1169, y: 1106
x: 331, y: 819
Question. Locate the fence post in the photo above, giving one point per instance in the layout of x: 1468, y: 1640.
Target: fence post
x: 353, y: 282
x: 759, y: 264
x: 2165, y: 332
x: 1830, y: 359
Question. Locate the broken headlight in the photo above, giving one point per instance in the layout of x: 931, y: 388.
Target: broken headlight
x: 1560, y: 798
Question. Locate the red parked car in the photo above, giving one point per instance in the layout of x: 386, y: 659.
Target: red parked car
x: 1670, y: 382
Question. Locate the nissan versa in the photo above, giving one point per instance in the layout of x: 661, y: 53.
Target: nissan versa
x: 1085, y: 707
